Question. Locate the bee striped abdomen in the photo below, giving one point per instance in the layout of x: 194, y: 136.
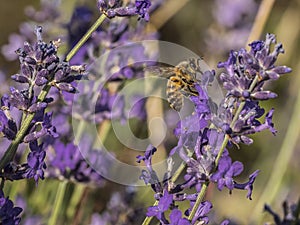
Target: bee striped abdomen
x: 174, y: 95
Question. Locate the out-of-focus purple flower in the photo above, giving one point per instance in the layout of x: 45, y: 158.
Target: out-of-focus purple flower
x: 47, y: 16
x: 48, y: 12
x: 66, y: 156
x: 15, y: 42
x: 80, y: 22
x: 9, y: 215
x: 248, y: 185
x: 107, y: 105
x: 225, y: 173
x: 66, y: 161
x: 291, y: 214
x: 229, y: 13
x: 138, y: 108
x: 119, y: 210
x: 233, y: 21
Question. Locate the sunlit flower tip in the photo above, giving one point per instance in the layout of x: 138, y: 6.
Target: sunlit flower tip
x: 263, y: 95
x: 248, y: 185
x: 9, y: 215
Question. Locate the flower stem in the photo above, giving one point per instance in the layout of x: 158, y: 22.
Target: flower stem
x: 58, y: 202
x: 260, y: 19
x: 198, y: 201
x: 85, y: 37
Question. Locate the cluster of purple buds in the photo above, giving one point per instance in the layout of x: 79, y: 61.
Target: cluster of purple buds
x: 113, y: 8
x: 205, y: 135
x: 41, y: 69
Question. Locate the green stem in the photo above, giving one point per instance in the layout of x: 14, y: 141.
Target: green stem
x: 198, y: 200
x: 58, y: 202
x: 85, y: 37
x: 260, y: 19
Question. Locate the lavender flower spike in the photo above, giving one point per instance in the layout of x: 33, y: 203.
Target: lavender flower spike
x: 115, y: 8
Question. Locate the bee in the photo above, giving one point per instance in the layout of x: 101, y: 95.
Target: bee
x: 181, y: 80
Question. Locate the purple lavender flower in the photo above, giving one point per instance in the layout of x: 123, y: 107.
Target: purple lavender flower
x: 242, y: 69
x: 8, y: 124
x: 107, y: 106
x: 114, y: 8
x: 202, y: 211
x: 36, y: 164
x: 204, y: 136
x: 226, y: 171
x: 248, y: 185
x: 163, y: 205
x: 149, y: 176
x: 41, y: 127
x: 176, y: 218
x: 3, y: 121
x: 41, y: 69
x: 9, y: 214
x: 259, y: 61
x: 142, y: 8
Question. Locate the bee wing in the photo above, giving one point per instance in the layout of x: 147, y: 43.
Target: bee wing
x: 166, y: 71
